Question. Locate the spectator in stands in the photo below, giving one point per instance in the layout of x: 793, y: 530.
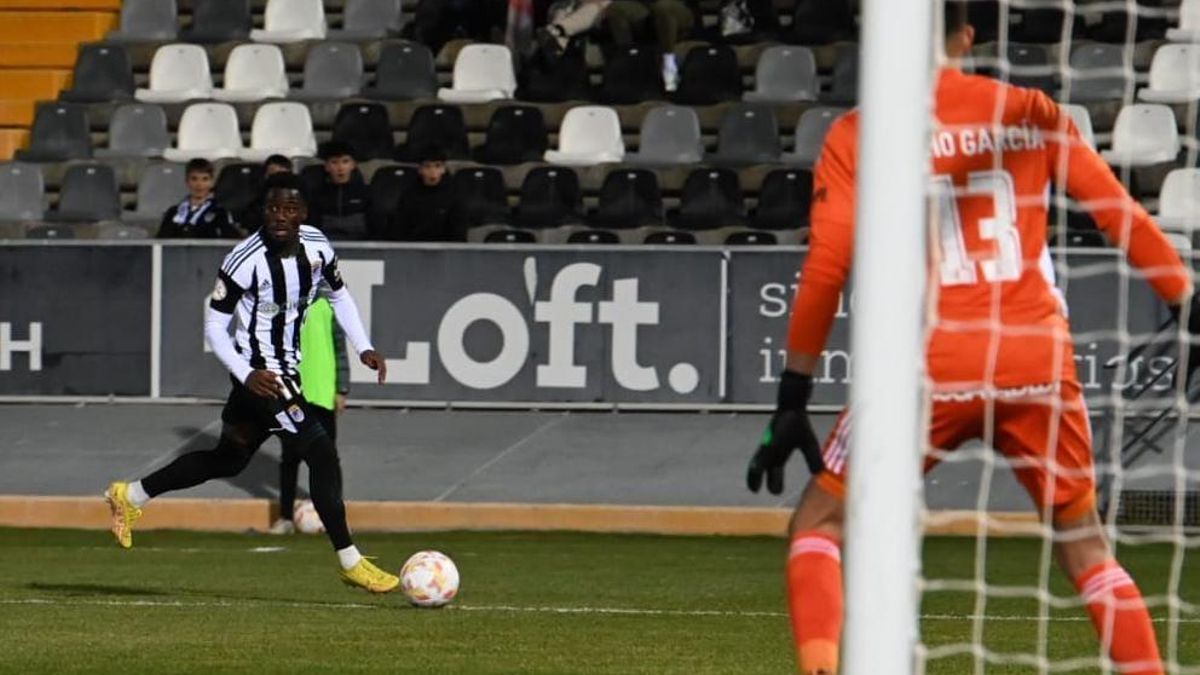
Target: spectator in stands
x: 438, y: 21
x: 342, y: 201
x: 671, y: 21
x: 427, y: 212
x: 252, y: 218
x: 198, y: 216
x: 567, y: 19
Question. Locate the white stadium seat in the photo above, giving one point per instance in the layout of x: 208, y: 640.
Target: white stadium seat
x: 254, y: 72
x: 178, y: 73
x: 208, y: 130
x: 292, y: 21
x: 1189, y: 23
x: 1174, y: 75
x: 1144, y: 134
x: 589, y: 135
x: 1083, y: 121
x: 283, y: 128
x: 481, y: 73
x: 1179, y: 201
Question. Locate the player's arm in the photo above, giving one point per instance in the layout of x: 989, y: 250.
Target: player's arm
x: 831, y: 245
x: 346, y: 313
x: 221, y: 304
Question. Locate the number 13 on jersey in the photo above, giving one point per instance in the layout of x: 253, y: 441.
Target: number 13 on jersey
x: 957, y: 267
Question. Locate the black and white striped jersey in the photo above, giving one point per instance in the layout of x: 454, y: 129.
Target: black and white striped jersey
x: 269, y: 295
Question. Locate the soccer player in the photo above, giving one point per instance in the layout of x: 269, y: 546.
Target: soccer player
x: 999, y: 358
x: 269, y: 280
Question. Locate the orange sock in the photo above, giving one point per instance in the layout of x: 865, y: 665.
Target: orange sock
x: 1120, y: 617
x: 814, y: 574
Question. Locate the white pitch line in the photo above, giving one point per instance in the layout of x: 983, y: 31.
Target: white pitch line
x: 610, y: 611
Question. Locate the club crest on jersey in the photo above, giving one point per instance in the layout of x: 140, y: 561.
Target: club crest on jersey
x: 295, y: 412
x: 219, y: 291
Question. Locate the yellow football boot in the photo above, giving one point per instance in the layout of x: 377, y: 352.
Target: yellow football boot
x: 124, y: 513
x: 366, y: 575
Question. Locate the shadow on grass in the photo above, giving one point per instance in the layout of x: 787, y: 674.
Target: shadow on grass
x: 94, y: 589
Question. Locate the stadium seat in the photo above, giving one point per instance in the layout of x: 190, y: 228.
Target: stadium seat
x: 1189, y: 23
x: 281, y: 128
x: 1039, y: 25
x: 629, y: 198
x: 591, y: 236
x: 1181, y: 242
x: 332, y: 70
x: 103, y: 72
x: 811, y: 128
x: 1083, y: 121
x: 1179, y: 201
x: 749, y: 134
x: 550, y: 79
x: 482, y: 73
x: 515, y: 134
x: 60, y: 132
x: 1174, y: 75
x: 137, y: 130
x: 481, y: 197
x: 89, y: 193
x: 550, y: 197
x: 844, y: 89
x: 589, y: 135
x: 1030, y: 67
x: 388, y: 188
x: 819, y: 22
x: 51, y: 231
x: 208, y: 130
x: 784, y: 74
x: 21, y: 191
x: 1095, y: 74
x: 711, y: 198
x: 364, y: 20
x: 784, y: 200
x: 751, y: 238
x: 631, y: 75
x: 121, y: 231
x: 367, y: 128
x: 178, y: 72
x: 442, y: 125
x: 253, y: 72
x: 1144, y: 134
x: 405, y: 71
x: 669, y: 237
x: 1080, y: 238
x: 291, y: 21
x: 146, y: 21
x: 218, y: 21
x: 238, y: 187
x: 510, y: 236
x: 161, y: 186
x: 670, y: 135
x: 709, y: 75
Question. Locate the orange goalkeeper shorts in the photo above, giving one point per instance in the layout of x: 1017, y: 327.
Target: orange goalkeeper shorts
x: 1043, y: 431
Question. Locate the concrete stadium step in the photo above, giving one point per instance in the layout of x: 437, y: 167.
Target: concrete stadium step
x: 38, y: 54
x: 33, y: 26
x: 33, y: 84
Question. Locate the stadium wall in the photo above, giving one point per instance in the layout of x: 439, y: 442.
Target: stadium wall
x: 687, y: 328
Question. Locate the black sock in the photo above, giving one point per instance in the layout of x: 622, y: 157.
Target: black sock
x: 325, y: 484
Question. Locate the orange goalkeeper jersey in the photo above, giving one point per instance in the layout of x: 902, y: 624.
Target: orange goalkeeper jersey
x: 1000, y: 321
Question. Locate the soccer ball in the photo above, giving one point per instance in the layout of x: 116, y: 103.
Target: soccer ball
x: 306, y: 519
x: 429, y: 579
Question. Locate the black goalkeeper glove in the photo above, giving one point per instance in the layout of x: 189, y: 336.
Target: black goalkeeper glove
x: 788, y: 430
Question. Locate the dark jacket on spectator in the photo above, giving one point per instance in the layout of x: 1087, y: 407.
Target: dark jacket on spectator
x: 427, y: 214
x: 207, y: 221
x: 341, y: 210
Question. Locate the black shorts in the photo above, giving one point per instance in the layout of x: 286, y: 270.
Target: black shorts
x: 288, y: 418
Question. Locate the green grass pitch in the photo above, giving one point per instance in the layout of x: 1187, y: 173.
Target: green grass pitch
x: 70, y: 601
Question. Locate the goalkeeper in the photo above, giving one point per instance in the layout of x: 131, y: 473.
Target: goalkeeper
x: 1000, y: 359
x: 325, y: 376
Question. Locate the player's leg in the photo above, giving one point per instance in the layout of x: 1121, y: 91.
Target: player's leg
x: 1050, y: 440
x: 289, y: 471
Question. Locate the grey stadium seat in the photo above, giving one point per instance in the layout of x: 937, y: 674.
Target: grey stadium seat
x: 146, y: 21
x: 21, y: 188
x: 89, y: 193
x: 810, y: 134
x: 368, y: 20
x: 51, y: 231
x: 406, y: 71
x: 784, y: 73
x: 219, y: 21
x: 333, y: 70
x: 137, y: 130
x: 1094, y: 74
x: 670, y: 135
x: 749, y: 134
x: 845, y: 76
x: 160, y: 187
x: 103, y: 72
x: 121, y: 231
x: 60, y: 132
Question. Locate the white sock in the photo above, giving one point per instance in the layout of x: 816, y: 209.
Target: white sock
x: 137, y: 494
x: 349, y: 557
